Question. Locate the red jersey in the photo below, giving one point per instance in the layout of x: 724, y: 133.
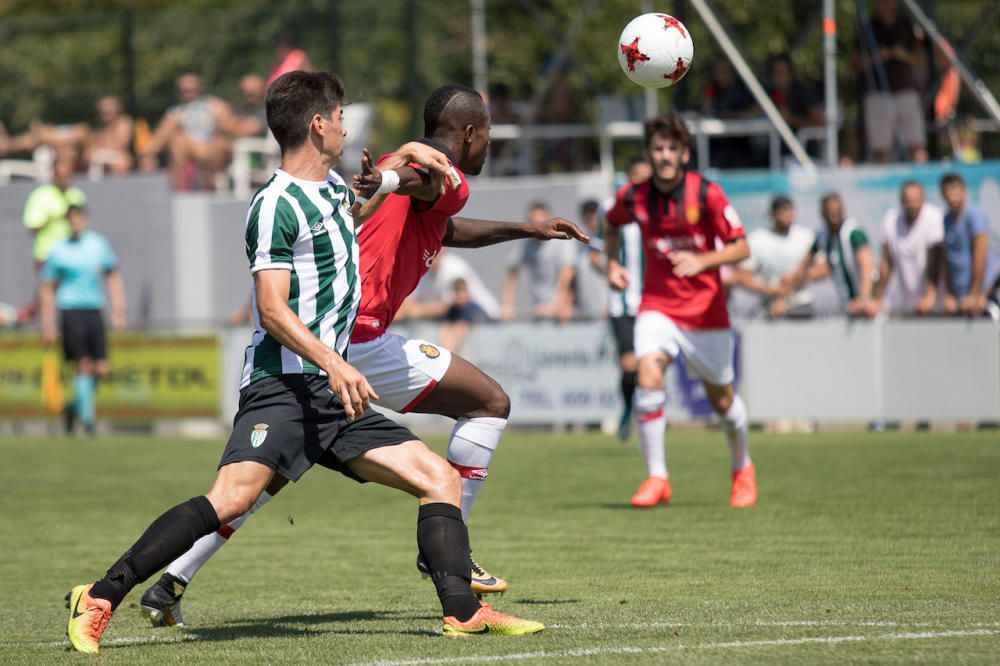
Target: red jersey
x: 398, y: 243
x: 690, y: 218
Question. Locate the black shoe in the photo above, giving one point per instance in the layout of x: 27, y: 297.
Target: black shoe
x: 161, y: 603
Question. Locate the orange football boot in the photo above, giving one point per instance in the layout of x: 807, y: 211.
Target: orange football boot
x: 744, y: 487
x: 88, y: 617
x: 652, y: 491
x: 488, y: 621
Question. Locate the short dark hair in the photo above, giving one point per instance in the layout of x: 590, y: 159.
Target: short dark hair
x: 635, y: 161
x: 294, y: 99
x: 464, y: 106
x: 538, y: 204
x: 589, y: 206
x: 669, y: 126
x: 779, y: 202
x: 911, y: 183
x: 952, y: 178
x: 828, y: 197
x: 75, y: 208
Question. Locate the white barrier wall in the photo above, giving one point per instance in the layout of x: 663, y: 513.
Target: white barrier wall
x: 833, y: 371
x: 938, y: 370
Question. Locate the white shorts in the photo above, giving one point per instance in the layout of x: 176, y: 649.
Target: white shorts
x: 401, y: 371
x: 707, y: 354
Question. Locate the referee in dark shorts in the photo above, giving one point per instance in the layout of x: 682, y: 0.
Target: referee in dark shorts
x: 72, y: 282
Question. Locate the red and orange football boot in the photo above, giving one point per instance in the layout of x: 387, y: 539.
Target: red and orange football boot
x: 88, y: 617
x: 488, y: 621
x: 652, y: 491
x: 744, y: 491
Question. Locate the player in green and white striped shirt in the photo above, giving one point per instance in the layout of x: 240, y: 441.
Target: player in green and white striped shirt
x: 841, y: 252
x: 624, y: 305
x: 301, y: 403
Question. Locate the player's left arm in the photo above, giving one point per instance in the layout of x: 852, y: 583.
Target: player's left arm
x: 426, y: 181
x: 974, y: 302
x: 467, y: 232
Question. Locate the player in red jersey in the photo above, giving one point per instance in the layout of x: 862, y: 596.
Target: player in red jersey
x: 398, y: 243
x: 689, y: 229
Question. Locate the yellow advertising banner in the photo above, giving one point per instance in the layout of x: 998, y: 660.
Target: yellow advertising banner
x: 153, y: 376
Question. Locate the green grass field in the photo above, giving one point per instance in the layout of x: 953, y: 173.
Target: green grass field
x: 862, y: 549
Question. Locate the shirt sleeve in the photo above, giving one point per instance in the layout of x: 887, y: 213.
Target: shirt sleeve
x: 721, y: 215
x: 978, y: 222
x: 50, y: 270
x: 36, y: 212
x: 272, y: 229
x: 516, y: 255
x: 620, y: 212
x: 858, y: 239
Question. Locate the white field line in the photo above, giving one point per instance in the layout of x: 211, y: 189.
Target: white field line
x: 971, y: 630
x: 595, y: 651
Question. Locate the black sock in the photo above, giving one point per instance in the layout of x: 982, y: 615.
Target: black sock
x: 168, y: 537
x: 629, y: 382
x: 443, y: 541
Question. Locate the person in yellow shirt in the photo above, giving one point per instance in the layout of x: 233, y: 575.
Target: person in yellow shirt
x: 45, y: 211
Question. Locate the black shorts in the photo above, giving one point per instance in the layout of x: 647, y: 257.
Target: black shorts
x: 83, y: 335
x: 293, y: 422
x: 624, y: 330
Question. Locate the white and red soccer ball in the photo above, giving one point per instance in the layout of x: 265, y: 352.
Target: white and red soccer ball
x: 655, y: 50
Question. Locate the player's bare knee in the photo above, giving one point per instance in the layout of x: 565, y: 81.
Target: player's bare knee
x: 441, y: 482
x: 231, y: 503
x: 722, y: 402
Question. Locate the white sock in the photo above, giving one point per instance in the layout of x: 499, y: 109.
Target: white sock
x: 188, y: 564
x: 652, y: 425
x: 470, y: 450
x: 734, y: 424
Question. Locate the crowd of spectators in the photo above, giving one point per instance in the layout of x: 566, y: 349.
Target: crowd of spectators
x: 194, y: 140
x: 931, y: 262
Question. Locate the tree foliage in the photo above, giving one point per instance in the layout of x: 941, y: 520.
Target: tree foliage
x: 59, y: 55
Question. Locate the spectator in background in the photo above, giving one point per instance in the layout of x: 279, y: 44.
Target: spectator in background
x: 551, y: 267
x: 898, y: 60
x: 590, y: 286
x: 249, y: 118
x: 966, y: 250
x: 727, y: 97
x: 502, y: 112
x: 110, y: 142
x: 560, y: 106
x: 193, y: 134
x: 452, y: 292
x: 72, y: 283
x: 775, y: 255
x: 841, y: 252
x: 623, y: 306
x: 13, y: 145
x: 795, y: 99
x: 47, y: 206
x: 912, y: 234
x: 287, y: 58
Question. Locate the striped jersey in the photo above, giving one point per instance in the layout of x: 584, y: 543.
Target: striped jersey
x: 304, y: 227
x: 838, y: 249
x: 630, y: 255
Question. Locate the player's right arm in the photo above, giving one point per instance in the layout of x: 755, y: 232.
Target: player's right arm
x: 272, y: 287
x: 619, y: 214
x: 617, y: 274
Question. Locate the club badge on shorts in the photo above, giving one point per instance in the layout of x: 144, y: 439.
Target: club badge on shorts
x: 258, y: 435
x: 430, y: 351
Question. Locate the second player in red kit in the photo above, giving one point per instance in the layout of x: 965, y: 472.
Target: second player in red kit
x: 689, y: 230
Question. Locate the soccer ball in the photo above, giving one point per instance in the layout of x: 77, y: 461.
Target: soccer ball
x: 655, y: 50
